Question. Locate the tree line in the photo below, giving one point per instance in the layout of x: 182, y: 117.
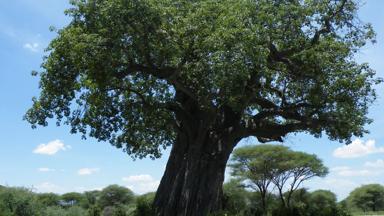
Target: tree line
x: 113, y: 200
x: 265, y: 181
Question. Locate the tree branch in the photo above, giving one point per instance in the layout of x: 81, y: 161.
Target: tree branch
x: 165, y: 73
x: 327, y: 23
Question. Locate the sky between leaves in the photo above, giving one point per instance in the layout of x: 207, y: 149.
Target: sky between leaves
x: 52, y: 160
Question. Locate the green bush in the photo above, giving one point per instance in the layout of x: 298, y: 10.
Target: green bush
x: 54, y: 211
x: 367, y: 198
x: 18, y: 202
x: 73, y: 199
x: 115, y: 195
x: 322, y: 203
x: 59, y: 211
x: 144, y: 205
x: 119, y: 210
x: 92, y: 197
x: 48, y: 199
x: 94, y: 210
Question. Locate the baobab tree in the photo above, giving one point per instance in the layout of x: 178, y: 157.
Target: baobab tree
x: 202, y: 75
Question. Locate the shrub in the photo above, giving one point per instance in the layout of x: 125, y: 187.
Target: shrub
x: 144, y: 205
x: 18, y: 201
x: 115, y: 195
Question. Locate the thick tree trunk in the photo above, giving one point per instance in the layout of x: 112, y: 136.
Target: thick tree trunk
x: 192, y: 182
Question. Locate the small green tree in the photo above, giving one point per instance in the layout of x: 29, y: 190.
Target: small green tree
x: 93, y: 210
x: 258, y: 165
x: 368, y: 197
x: 19, y: 201
x: 144, y: 205
x: 115, y: 195
x: 92, y: 196
x: 263, y: 165
x: 299, y: 204
x: 323, y: 203
x: 117, y: 210
x: 292, y: 170
x: 75, y: 211
x: 48, y: 199
x: 235, y: 198
x: 54, y: 211
x: 343, y: 208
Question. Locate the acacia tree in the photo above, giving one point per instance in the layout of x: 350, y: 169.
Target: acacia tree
x: 294, y: 168
x: 257, y: 167
x: 202, y: 75
x: 264, y: 165
x: 115, y: 195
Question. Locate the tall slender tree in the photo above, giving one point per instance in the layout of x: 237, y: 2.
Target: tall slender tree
x: 202, y: 75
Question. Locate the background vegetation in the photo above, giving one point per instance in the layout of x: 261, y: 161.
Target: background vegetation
x: 265, y: 181
x: 116, y: 200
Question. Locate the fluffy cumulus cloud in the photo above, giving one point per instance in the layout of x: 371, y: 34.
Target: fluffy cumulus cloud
x: 45, y: 169
x: 51, y: 148
x: 141, y: 183
x: 375, y: 164
x: 87, y: 171
x: 357, y: 148
x: 33, y: 47
x: 346, y: 171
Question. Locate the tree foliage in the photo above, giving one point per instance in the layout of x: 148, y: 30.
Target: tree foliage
x: 235, y: 199
x: 146, y: 74
x: 73, y: 199
x: 48, y: 199
x: 18, y: 201
x: 264, y: 165
x: 323, y: 203
x: 122, y: 70
x: 144, y: 205
x: 368, y: 197
x: 115, y: 195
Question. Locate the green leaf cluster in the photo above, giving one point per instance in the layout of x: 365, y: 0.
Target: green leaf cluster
x: 122, y: 70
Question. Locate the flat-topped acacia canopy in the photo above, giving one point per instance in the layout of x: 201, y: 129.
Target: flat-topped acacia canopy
x: 202, y: 75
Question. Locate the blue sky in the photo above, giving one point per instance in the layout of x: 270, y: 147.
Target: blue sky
x: 50, y: 159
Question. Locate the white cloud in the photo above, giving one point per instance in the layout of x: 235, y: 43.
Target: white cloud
x: 141, y: 183
x: 337, y: 183
x: 88, y: 171
x: 349, y: 172
x: 375, y: 164
x: 340, y: 168
x: 48, y: 187
x: 51, y: 148
x: 33, y: 47
x: 45, y: 169
x: 357, y: 148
